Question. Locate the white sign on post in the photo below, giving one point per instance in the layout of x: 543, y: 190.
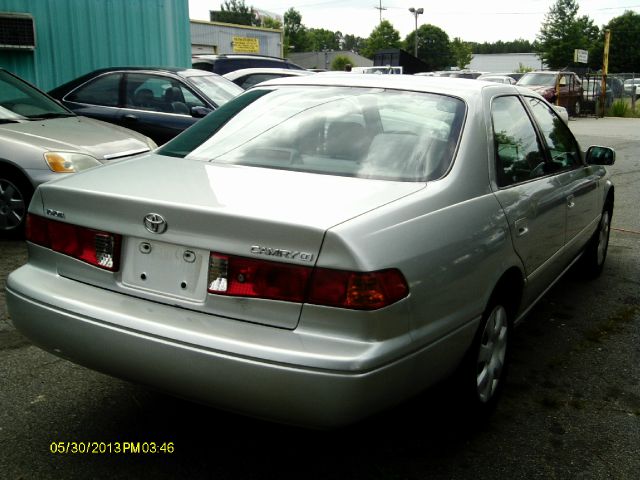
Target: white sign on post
x: 580, y: 56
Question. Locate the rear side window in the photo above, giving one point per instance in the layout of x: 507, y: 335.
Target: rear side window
x: 519, y: 156
x: 104, y: 90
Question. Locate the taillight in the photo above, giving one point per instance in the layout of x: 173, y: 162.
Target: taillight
x: 98, y: 248
x: 246, y: 277
x: 357, y: 290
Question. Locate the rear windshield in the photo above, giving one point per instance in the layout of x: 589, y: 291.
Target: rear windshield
x: 357, y: 132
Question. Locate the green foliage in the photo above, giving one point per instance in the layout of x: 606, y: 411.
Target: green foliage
x: 321, y: 39
x: 273, y: 23
x: 461, y: 53
x: 516, y: 46
x: 620, y: 108
x: 351, y: 43
x: 522, y: 68
x: 434, y: 47
x: 562, y: 32
x: 625, y: 32
x: 340, y: 61
x: 383, y: 36
x: 236, y: 12
x: 295, y: 33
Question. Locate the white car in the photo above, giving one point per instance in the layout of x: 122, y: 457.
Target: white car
x: 248, y: 77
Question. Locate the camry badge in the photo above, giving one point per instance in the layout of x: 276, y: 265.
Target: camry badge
x: 155, y: 223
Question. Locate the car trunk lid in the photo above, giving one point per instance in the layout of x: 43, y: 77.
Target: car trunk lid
x: 243, y: 211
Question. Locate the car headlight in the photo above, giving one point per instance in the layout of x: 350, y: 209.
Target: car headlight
x: 69, y: 162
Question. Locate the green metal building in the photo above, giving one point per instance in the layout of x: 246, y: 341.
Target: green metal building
x: 49, y: 42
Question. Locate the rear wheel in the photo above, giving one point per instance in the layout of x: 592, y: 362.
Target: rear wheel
x: 482, y: 374
x: 596, y: 251
x: 15, y: 195
x: 577, y: 108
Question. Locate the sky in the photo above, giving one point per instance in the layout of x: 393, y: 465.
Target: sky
x: 471, y: 20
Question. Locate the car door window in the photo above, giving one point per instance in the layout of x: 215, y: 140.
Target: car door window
x: 519, y: 156
x: 565, y: 153
x: 159, y: 94
x: 104, y: 90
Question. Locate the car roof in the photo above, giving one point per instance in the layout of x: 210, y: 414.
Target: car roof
x: 215, y: 56
x: 249, y: 71
x: 460, y: 87
x: 70, y: 85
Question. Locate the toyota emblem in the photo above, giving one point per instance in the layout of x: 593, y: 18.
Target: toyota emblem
x: 155, y: 223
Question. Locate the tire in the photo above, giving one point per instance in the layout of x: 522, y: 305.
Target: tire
x: 483, y: 372
x: 577, y: 108
x: 15, y: 195
x: 595, y: 252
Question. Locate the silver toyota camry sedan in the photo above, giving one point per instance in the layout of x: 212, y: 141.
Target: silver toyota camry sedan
x: 319, y: 248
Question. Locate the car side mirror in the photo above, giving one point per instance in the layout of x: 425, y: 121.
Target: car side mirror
x: 600, y: 155
x: 200, y: 112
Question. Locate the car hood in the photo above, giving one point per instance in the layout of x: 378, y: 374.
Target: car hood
x: 538, y: 88
x: 78, y: 134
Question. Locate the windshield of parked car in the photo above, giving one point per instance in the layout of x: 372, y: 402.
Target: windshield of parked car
x: 20, y: 101
x: 538, y: 79
x: 357, y: 132
x: 218, y: 89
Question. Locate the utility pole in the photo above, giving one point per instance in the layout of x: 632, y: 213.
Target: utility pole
x: 381, y: 8
x: 605, y: 71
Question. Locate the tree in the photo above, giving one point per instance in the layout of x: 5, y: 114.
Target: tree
x: 625, y: 31
x: 461, y: 53
x: 434, y: 47
x: 383, y: 36
x: 295, y: 33
x: 515, y: 46
x: 236, y: 12
x: 268, y: 22
x: 562, y: 32
x: 351, y: 43
x: 321, y: 39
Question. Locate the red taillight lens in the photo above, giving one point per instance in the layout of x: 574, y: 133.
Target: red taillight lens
x: 98, y: 248
x: 245, y: 277
x: 357, y: 290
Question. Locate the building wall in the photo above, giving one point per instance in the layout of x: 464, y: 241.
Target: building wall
x: 325, y: 59
x: 504, y: 62
x: 76, y: 36
x: 216, y: 37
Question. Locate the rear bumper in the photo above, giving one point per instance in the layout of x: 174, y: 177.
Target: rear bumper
x: 279, y: 375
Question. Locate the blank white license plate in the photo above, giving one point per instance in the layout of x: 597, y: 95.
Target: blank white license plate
x: 164, y: 268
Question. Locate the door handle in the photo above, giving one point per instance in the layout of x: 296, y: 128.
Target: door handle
x: 129, y: 118
x: 570, y: 201
x: 522, y: 227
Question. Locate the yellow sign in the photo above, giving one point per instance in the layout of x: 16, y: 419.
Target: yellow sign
x: 246, y: 45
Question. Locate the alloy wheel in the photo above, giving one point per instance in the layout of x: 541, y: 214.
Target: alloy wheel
x: 12, y: 206
x: 492, y: 354
x: 603, y: 237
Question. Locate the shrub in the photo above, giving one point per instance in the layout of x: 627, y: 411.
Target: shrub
x: 620, y: 108
x: 340, y: 61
